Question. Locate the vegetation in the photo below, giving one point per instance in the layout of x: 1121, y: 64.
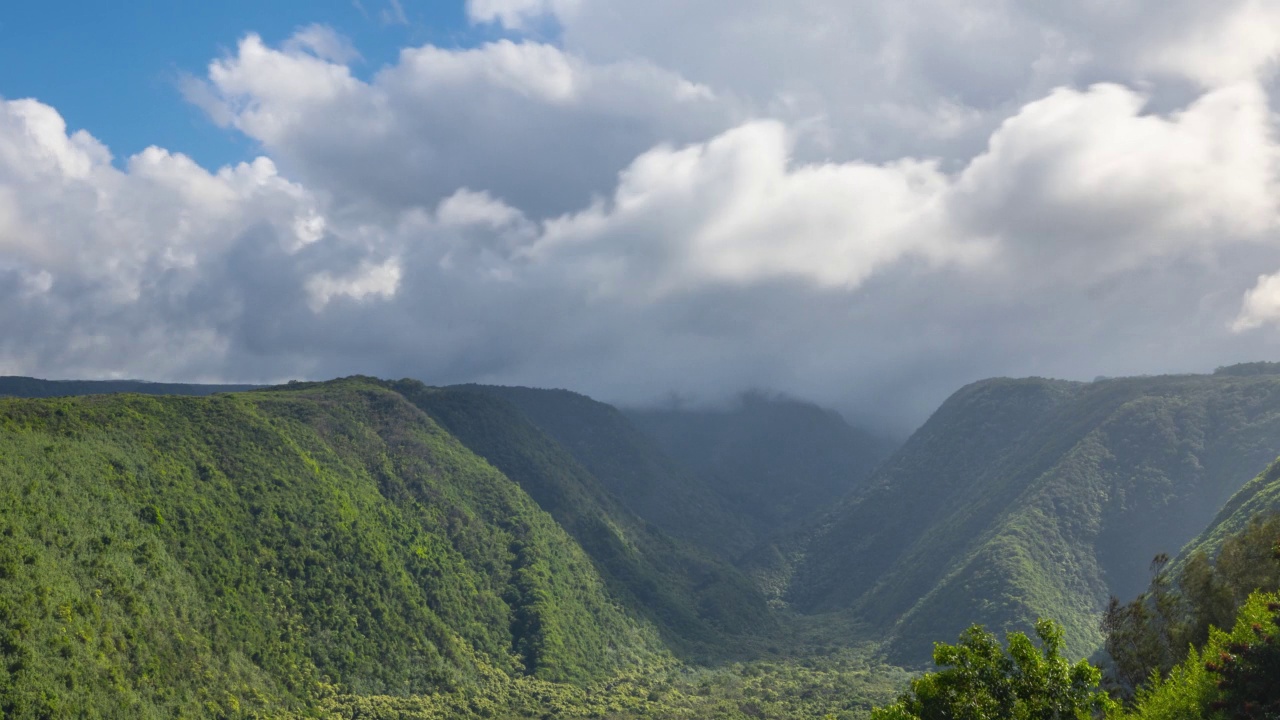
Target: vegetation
x: 842, y: 687
x: 982, y: 680
x: 377, y: 550
x: 774, y: 461
x: 1036, y: 498
x: 1217, y: 674
x: 1231, y: 678
x: 1252, y: 368
x: 1170, y: 660
x: 333, y: 550
x: 1149, y: 635
x: 1258, y: 498
x: 629, y: 465
x: 704, y: 606
x: 166, y: 557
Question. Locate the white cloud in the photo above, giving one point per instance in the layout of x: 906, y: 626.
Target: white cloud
x: 1236, y: 42
x: 325, y: 43
x: 525, y: 120
x: 369, y: 280
x: 476, y: 208
x: 1090, y: 179
x: 517, y: 14
x: 736, y: 210
x: 1261, y: 305
x: 539, y: 72
x: 861, y: 204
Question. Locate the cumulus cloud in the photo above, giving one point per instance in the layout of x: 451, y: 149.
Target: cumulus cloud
x: 1261, y: 304
x: 735, y: 210
x: 369, y: 280
x: 866, y: 205
x: 1090, y: 179
x: 1237, y: 42
x: 524, y: 120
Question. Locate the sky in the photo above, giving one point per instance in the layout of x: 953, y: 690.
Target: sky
x: 866, y: 205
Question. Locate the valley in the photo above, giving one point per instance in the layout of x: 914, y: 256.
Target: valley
x: 364, y: 548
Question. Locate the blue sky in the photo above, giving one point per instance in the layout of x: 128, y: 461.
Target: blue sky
x: 112, y: 68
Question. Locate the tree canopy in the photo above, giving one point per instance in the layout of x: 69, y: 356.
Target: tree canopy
x: 981, y: 680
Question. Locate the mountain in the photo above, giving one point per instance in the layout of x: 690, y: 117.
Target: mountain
x: 631, y: 466
x: 1026, y: 498
x: 28, y: 387
x: 218, y: 556
x: 1259, y: 498
x: 699, y: 602
x: 775, y: 461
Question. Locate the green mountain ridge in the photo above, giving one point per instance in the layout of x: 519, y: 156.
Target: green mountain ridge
x: 1027, y: 498
x: 173, y: 556
x: 775, y: 461
x: 631, y: 466
x: 362, y: 548
x: 1258, y: 498
x: 698, y: 601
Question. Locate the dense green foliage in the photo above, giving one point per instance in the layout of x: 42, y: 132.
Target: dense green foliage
x: 701, y: 604
x: 1035, y: 498
x: 842, y: 687
x: 1151, y: 633
x: 1258, y: 498
x: 354, y: 549
x: 1214, y: 675
x: 1251, y: 368
x: 980, y: 680
x: 166, y: 557
x: 376, y: 550
x: 1169, y: 658
x: 631, y: 466
x: 1233, y: 677
x: 774, y: 461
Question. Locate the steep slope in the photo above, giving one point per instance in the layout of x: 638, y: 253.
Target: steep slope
x: 28, y: 387
x: 959, y: 457
x: 1258, y: 498
x: 1022, y: 498
x: 701, y: 604
x: 776, y: 461
x: 631, y: 466
x: 167, y: 556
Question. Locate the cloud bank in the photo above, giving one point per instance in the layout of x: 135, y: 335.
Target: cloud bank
x: 861, y: 206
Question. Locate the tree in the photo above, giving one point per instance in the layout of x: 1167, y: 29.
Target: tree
x: 981, y: 680
x: 1148, y: 634
x: 1249, y: 665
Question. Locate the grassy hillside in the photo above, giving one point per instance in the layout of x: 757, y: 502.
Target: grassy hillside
x: 173, y: 557
x: 774, y: 461
x: 632, y: 467
x: 703, y: 605
x: 1023, y: 498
